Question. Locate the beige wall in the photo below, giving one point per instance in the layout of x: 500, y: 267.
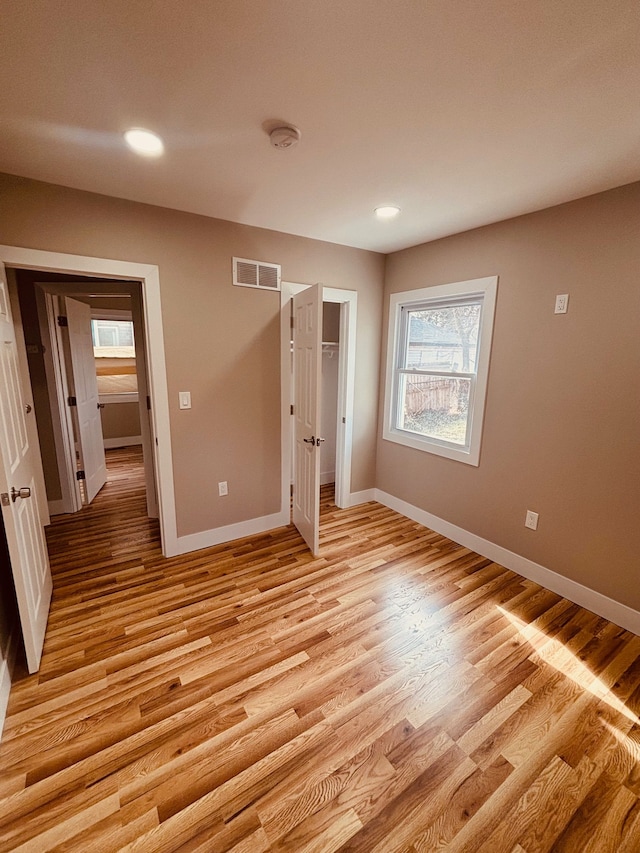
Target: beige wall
x: 120, y: 420
x: 222, y: 342
x: 562, y: 420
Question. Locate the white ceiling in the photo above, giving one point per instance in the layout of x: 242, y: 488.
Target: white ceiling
x: 462, y: 112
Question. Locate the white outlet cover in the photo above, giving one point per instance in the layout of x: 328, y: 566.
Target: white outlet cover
x: 562, y: 303
x: 531, y: 520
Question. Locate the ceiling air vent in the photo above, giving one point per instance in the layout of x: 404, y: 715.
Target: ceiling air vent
x: 256, y: 274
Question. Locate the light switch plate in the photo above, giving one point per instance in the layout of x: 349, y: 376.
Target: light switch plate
x: 185, y: 399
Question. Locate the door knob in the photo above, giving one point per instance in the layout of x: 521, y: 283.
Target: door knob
x: 27, y: 408
x: 319, y: 440
x: 20, y: 493
x: 101, y: 405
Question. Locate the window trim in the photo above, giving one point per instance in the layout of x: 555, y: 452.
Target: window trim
x: 486, y: 289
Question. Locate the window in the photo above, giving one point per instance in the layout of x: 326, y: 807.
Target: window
x: 115, y: 355
x: 437, y: 367
x: 112, y: 333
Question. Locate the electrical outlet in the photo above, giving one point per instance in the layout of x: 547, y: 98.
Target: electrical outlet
x: 562, y: 303
x: 223, y: 489
x: 185, y: 399
x: 531, y: 520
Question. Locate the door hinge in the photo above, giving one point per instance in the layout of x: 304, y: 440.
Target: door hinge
x: 292, y: 408
x: 71, y: 401
x: 62, y: 321
x: 148, y: 403
x: 291, y: 321
x: 80, y: 475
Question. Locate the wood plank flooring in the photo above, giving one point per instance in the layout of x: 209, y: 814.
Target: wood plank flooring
x: 398, y: 693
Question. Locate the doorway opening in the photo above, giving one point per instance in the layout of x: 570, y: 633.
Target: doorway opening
x: 55, y: 277
x: 87, y: 369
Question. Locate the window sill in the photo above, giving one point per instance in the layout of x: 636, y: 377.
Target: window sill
x: 437, y: 448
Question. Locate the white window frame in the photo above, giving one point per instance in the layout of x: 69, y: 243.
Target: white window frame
x: 486, y: 290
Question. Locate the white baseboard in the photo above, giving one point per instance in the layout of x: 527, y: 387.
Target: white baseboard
x: 596, y: 602
x: 219, y: 535
x: 125, y: 441
x: 363, y: 497
x: 56, y: 507
x: 327, y: 477
x: 6, y: 671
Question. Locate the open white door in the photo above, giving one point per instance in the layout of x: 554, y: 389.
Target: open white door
x: 85, y: 390
x: 307, y: 366
x: 23, y: 525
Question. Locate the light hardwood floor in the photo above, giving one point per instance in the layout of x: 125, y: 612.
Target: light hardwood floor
x: 399, y: 693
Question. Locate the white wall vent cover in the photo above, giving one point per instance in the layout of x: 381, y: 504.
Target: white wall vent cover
x: 256, y: 274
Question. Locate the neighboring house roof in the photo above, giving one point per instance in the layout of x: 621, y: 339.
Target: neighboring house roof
x: 424, y: 332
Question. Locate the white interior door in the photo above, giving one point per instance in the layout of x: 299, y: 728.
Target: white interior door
x: 19, y: 499
x: 307, y: 367
x: 85, y: 390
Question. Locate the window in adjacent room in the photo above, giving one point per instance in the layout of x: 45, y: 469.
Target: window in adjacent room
x: 115, y: 355
x: 437, y: 367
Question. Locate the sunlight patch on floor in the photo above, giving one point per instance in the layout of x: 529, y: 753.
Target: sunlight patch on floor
x: 631, y: 742
x: 554, y: 653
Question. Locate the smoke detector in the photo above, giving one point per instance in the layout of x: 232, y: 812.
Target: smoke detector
x: 284, y: 137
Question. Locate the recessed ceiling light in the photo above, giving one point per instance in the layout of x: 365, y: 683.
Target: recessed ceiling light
x: 387, y: 211
x: 144, y: 142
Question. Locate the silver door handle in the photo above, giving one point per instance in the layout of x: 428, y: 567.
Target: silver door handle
x: 318, y: 440
x: 311, y: 440
x: 20, y: 493
x: 101, y: 405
